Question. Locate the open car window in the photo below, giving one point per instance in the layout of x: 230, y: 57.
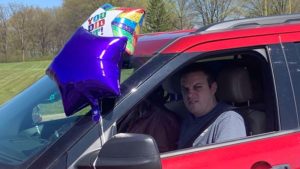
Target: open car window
x: 245, y: 83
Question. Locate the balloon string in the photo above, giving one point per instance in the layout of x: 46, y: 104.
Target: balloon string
x: 96, y: 114
x: 98, y: 118
x: 102, y: 136
x: 102, y: 139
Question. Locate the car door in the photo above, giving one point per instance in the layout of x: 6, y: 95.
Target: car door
x: 262, y: 151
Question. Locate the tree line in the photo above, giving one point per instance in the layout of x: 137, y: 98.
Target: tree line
x: 29, y: 33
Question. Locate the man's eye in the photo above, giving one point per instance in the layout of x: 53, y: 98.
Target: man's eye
x: 198, y: 87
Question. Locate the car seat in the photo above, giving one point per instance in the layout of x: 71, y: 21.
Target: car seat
x: 236, y: 88
x: 174, y: 102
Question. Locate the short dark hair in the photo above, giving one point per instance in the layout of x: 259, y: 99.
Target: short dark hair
x: 199, y: 67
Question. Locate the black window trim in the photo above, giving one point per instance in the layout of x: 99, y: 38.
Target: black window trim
x: 292, y: 46
x: 286, y: 117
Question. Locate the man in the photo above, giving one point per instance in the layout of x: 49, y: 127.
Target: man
x: 208, y: 121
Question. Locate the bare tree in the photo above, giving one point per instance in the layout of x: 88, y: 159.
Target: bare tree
x: 17, y: 23
x: 212, y: 11
x: 38, y: 31
x: 254, y: 8
x: 280, y: 7
x: 3, y: 33
x: 58, y: 31
x: 183, y: 14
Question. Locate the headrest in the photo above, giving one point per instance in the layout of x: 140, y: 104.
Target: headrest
x: 172, y: 85
x: 157, y: 96
x: 234, y: 85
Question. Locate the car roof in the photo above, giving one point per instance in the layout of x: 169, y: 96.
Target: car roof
x: 150, y: 43
x: 254, y: 27
x: 259, y: 29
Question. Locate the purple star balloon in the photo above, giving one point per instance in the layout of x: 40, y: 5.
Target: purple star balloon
x: 87, y: 69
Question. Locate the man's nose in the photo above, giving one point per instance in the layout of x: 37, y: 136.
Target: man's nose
x: 189, y: 93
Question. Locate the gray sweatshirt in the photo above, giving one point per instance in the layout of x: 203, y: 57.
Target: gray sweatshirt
x: 229, y: 125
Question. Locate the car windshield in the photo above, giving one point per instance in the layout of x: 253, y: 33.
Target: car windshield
x: 35, y: 119
x: 31, y: 121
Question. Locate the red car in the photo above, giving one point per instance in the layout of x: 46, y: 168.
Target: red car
x: 258, y: 65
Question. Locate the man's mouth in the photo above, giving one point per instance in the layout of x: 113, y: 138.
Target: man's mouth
x: 192, y: 102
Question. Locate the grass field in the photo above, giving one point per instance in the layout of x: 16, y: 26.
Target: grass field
x: 15, y: 77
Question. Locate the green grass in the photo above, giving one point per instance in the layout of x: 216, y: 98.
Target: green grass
x: 15, y: 77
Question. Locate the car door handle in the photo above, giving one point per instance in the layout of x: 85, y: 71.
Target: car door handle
x: 282, y: 166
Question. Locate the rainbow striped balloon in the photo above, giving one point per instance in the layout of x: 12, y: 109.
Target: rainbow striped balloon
x: 113, y: 21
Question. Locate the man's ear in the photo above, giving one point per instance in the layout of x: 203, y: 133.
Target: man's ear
x: 214, y: 88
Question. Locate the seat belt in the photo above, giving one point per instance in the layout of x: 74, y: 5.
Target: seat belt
x: 207, y: 124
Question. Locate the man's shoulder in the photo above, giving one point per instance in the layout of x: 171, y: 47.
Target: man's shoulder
x: 229, y: 114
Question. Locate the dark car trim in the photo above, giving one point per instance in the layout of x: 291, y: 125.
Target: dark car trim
x: 286, y: 104
x: 292, y: 55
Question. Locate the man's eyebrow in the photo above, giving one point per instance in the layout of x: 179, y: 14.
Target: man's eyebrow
x: 199, y: 83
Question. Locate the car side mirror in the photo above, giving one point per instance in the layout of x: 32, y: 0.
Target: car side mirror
x: 124, y: 150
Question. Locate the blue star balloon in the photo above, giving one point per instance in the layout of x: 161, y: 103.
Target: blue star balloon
x: 87, y: 69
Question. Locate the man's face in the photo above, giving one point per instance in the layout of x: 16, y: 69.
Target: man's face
x: 198, y: 96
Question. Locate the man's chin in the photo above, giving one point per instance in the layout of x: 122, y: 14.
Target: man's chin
x: 193, y: 111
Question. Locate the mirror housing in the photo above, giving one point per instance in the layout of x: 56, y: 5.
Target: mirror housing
x: 124, y: 151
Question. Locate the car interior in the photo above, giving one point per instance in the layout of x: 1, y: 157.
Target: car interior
x: 244, y: 81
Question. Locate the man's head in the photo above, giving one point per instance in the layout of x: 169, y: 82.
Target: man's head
x: 198, y: 88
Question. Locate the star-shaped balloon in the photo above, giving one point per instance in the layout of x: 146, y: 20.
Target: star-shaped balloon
x: 87, y: 69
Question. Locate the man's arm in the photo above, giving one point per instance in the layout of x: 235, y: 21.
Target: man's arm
x: 229, y: 126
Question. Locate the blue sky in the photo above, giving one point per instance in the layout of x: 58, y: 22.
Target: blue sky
x: 36, y: 3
